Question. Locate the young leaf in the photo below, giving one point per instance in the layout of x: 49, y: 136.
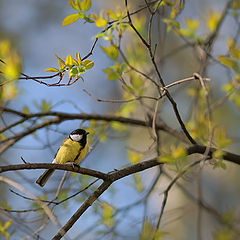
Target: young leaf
x: 111, y: 15
x: 85, y: 5
x: 73, y: 5
x: 88, y: 64
x: 138, y: 182
x: 192, y: 24
x: 227, y: 61
x: 25, y: 109
x: 100, y: 22
x: 74, y: 70
x: 221, y: 138
x: 59, y: 59
x: 69, y: 60
x: 70, y: 19
x: 51, y: 70
x: 78, y: 57
x: 134, y: 157
x: 118, y: 126
x: 107, y: 214
x: 213, y: 20
x: 111, y: 51
x: 111, y: 73
x: 45, y: 106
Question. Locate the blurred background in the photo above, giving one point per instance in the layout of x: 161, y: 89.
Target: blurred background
x: 34, y: 28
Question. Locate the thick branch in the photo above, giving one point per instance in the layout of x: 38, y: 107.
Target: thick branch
x: 67, y: 167
x: 93, y: 197
x: 230, y: 157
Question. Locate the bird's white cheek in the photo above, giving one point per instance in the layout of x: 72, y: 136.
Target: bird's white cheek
x: 76, y: 137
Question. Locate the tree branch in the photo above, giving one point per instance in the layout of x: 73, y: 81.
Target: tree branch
x: 67, y: 167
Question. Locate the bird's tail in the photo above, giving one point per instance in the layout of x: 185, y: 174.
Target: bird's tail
x: 44, y: 177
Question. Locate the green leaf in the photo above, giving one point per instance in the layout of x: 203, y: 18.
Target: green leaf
x: 45, y: 107
x: 69, y: 61
x: 117, y: 126
x: 100, y: 22
x: 111, y: 15
x: 73, y: 5
x: 192, y: 24
x: 7, y: 224
x: 85, y: 5
x: 138, y: 182
x: 111, y: 51
x: 134, y: 157
x: 177, y: 154
x: 213, y: 20
x: 82, y: 70
x: 220, y: 138
x: 218, y: 160
x: 111, y: 73
x: 70, y: 19
x: 107, y: 214
x: 227, y: 87
x: 75, y: 70
x: 127, y: 109
x: 78, y: 57
x: 88, y: 64
x: 3, y: 228
x: 227, y: 61
x: 159, y: 3
x: 25, y: 110
x: 59, y: 59
x: 235, y: 52
x: 60, y: 65
x: 51, y: 69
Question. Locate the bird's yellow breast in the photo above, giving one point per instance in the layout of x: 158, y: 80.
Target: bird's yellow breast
x: 71, y: 151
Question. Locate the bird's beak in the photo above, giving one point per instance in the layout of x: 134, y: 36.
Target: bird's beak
x: 87, y: 133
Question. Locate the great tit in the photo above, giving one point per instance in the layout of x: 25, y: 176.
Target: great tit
x: 72, y: 150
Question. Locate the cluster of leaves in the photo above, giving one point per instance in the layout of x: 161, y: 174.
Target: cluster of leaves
x: 191, y: 25
x: 175, y: 8
x: 199, y: 125
x: 81, y: 7
x: 74, y: 67
x: 176, y: 156
x: 232, y: 61
x: 10, y: 68
x: 100, y: 20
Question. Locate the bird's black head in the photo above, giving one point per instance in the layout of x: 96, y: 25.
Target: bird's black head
x: 79, y: 135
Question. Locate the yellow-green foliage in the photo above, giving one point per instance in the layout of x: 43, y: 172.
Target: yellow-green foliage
x: 10, y: 67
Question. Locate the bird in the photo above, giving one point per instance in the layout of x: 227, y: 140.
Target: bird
x: 72, y: 150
